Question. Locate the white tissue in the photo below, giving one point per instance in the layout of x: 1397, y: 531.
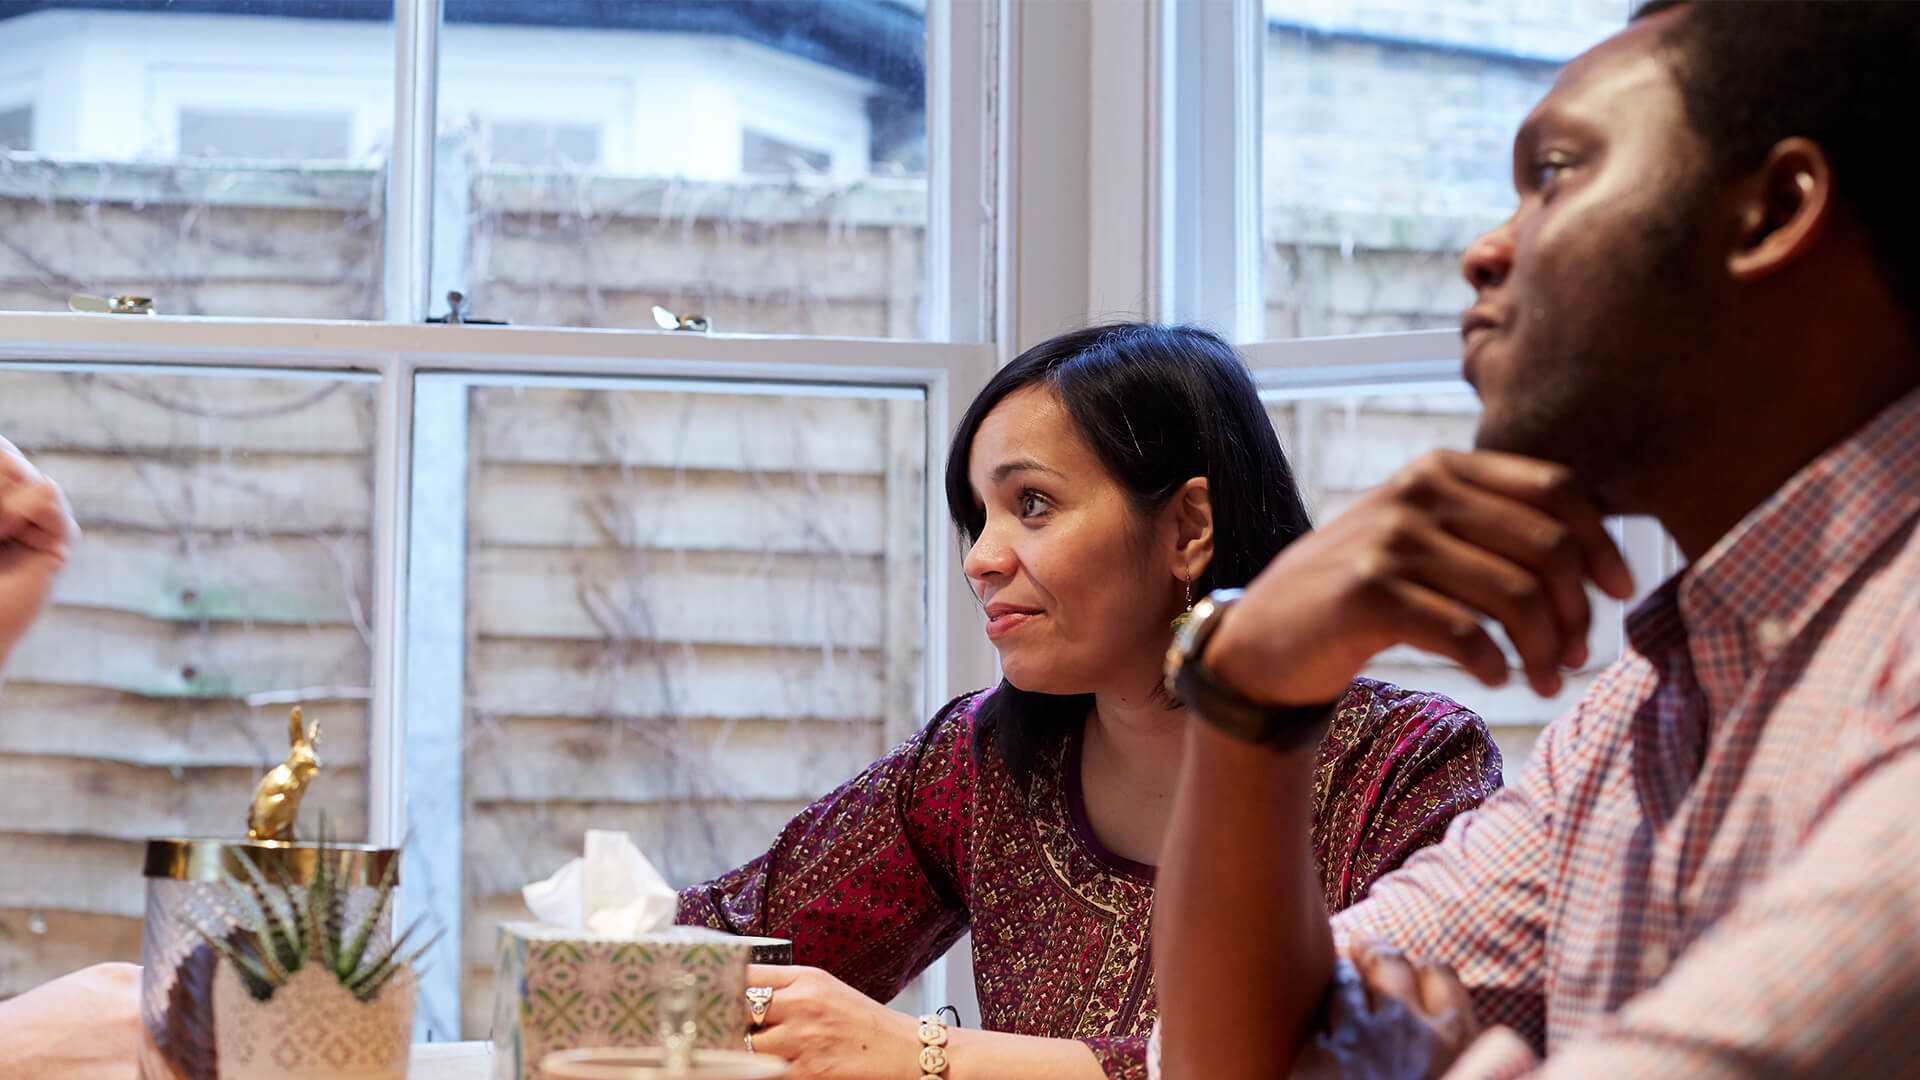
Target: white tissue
x: 612, y: 892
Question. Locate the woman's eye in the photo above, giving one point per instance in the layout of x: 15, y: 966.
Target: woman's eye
x: 1032, y: 503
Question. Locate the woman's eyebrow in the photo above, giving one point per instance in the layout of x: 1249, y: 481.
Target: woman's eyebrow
x: 1008, y: 468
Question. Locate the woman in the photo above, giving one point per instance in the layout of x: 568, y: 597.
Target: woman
x: 1102, y: 481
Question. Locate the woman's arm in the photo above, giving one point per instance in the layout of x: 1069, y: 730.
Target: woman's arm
x: 36, y: 533
x: 996, y: 1055
x: 871, y: 881
x: 829, y: 1031
x: 1397, y: 767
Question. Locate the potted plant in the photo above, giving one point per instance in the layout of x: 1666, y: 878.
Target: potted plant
x: 304, y: 996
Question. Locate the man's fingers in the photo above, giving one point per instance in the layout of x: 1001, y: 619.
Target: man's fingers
x: 1513, y: 595
x: 1551, y: 488
x: 1442, y: 992
x: 1536, y: 542
x: 1386, y: 974
x: 1432, y: 622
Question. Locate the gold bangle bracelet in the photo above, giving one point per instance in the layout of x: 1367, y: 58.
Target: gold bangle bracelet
x: 933, y: 1048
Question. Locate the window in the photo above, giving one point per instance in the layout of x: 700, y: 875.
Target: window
x: 535, y: 144
x: 261, y: 135
x: 226, y: 573
x: 705, y: 115
x: 229, y: 183
x: 763, y: 154
x: 278, y: 510
x: 16, y: 128
x: 1385, y: 149
x: 689, y: 610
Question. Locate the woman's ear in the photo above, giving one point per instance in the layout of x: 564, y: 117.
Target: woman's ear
x: 1191, y: 510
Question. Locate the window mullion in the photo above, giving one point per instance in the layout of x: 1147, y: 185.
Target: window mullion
x: 409, y: 211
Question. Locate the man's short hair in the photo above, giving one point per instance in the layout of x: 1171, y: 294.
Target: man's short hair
x: 1843, y: 73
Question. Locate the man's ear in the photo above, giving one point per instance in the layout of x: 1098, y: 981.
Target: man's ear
x: 1781, y: 210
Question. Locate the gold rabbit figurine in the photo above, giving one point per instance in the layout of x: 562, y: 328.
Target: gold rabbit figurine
x: 276, y: 801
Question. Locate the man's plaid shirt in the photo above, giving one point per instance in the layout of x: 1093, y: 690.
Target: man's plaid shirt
x: 1711, y: 866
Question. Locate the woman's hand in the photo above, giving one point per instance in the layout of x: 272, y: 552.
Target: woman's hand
x: 84, y: 1026
x: 37, y: 533
x: 828, y: 1030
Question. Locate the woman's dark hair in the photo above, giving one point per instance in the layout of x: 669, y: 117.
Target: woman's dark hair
x: 1159, y: 405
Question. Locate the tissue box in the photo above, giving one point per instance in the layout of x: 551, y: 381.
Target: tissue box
x: 561, y: 989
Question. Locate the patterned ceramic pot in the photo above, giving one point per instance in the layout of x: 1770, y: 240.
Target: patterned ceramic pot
x: 188, y: 883
x: 312, y: 1028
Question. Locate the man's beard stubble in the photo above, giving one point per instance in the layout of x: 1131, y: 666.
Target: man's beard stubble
x: 1603, y: 395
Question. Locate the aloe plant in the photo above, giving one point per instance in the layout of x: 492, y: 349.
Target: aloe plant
x: 295, y: 931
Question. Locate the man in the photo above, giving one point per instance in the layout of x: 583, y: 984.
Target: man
x: 1703, y: 309
x: 83, y: 1026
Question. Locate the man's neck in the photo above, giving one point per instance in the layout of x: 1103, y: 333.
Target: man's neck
x: 1724, y: 471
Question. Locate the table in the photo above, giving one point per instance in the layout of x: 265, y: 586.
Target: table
x: 452, y: 1061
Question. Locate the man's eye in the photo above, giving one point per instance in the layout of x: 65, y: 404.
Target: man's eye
x: 1548, y: 168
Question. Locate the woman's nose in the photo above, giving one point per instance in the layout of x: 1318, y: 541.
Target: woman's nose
x: 987, y: 558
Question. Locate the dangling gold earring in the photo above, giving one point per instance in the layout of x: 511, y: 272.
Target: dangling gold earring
x: 1186, y: 615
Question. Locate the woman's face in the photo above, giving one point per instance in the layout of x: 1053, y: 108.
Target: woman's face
x: 1078, y: 588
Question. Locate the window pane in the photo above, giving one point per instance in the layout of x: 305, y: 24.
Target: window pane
x: 224, y: 575
x: 763, y: 165
x: 689, y: 612
x: 266, y: 135
x: 1386, y: 146
x: 16, y: 128
x: 222, y: 158
x: 1345, y: 444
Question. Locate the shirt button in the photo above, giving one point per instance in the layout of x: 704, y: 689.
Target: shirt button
x: 1772, y: 635
x: 1653, y: 961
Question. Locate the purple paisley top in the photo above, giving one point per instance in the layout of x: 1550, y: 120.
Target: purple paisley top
x: 877, y: 879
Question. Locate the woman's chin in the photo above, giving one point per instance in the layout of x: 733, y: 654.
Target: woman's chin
x: 1037, y: 681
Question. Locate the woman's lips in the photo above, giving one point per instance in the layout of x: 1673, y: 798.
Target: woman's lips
x: 1004, y: 619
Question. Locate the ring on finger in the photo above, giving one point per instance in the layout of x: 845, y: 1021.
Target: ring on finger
x: 749, y: 1042
x: 758, y: 999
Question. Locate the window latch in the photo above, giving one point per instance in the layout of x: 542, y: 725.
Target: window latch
x: 667, y: 320
x: 110, y: 305
x: 457, y: 313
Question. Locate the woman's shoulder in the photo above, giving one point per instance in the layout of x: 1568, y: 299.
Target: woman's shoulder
x: 947, y: 739
x: 1409, y: 721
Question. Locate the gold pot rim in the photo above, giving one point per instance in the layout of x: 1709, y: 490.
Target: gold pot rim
x: 183, y: 859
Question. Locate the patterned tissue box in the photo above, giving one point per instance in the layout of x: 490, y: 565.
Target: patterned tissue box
x: 561, y: 989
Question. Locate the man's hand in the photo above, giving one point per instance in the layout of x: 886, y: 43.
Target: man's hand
x: 37, y: 534
x: 1432, y: 993
x: 1389, y: 1018
x: 84, y: 1026
x: 1449, y: 539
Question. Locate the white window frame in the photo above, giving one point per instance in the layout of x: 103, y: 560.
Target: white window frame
x: 965, y: 132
